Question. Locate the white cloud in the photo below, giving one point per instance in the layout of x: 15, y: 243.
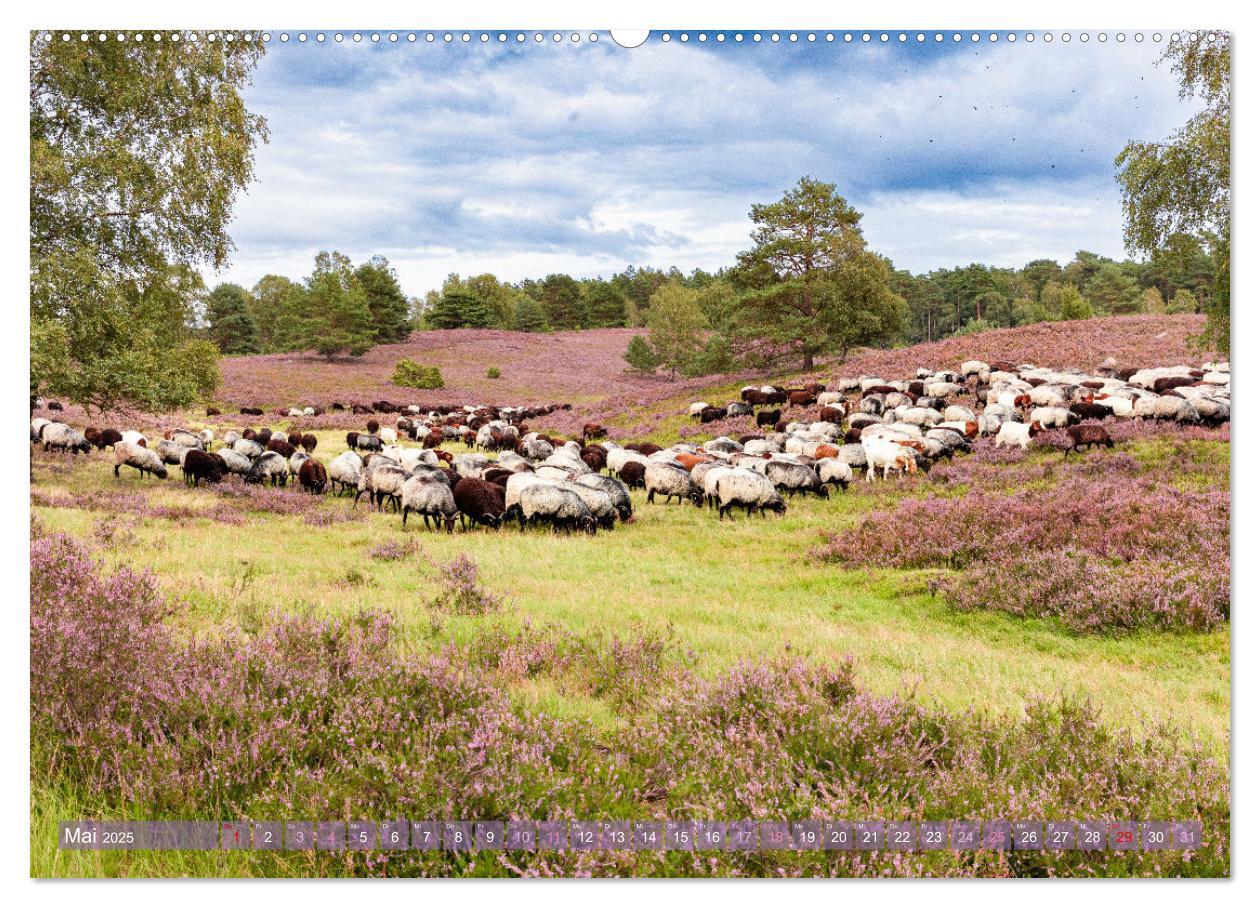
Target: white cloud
x: 588, y: 158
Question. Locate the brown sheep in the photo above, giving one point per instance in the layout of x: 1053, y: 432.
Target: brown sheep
x: 313, y: 476
x: 1087, y: 435
x: 633, y: 475
x: 768, y: 417
x: 479, y: 501
x: 283, y: 448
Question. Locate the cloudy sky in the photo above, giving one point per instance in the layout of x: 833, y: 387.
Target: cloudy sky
x: 523, y: 159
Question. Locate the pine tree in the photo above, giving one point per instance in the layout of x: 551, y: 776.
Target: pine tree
x: 231, y: 323
x: 640, y: 356
x: 391, y: 317
x: 529, y: 315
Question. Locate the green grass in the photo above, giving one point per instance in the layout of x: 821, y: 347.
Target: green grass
x: 729, y: 591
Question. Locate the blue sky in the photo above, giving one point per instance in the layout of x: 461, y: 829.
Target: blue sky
x: 585, y: 158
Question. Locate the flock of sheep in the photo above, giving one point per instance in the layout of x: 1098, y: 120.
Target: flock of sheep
x: 868, y: 423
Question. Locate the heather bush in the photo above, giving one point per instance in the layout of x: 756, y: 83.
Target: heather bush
x: 461, y: 592
x: 393, y: 550
x: 1090, y: 550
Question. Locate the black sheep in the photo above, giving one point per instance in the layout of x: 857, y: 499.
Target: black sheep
x: 769, y: 417
x: 480, y: 501
x: 633, y: 475
x: 712, y: 414
x: 1090, y: 410
x: 199, y: 465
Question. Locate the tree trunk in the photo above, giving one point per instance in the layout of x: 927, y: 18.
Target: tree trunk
x: 808, y: 363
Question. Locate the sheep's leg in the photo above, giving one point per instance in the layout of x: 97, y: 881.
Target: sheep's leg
x: 406, y: 511
x: 652, y: 496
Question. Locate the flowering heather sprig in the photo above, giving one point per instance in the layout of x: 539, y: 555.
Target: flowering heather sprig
x: 461, y: 589
x: 393, y: 550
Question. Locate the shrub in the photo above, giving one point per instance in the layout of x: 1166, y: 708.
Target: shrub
x: 640, y: 355
x: 493, y: 372
x: 410, y: 374
x: 1102, y: 549
x: 462, y: 592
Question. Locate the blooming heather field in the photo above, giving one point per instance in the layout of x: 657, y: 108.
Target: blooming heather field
x: 586, y: 368
x: 1013, y: 634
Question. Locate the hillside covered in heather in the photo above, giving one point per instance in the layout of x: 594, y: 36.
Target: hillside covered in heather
x: 586, y: 368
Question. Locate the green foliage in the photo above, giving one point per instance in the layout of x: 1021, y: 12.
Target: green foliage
x: 603, y: 305
x: 640, y: 355
x: 975, y: 326
x: 529, y: 315
x: 388, y: 305
x: 230, y: 320
x: 561, y: 299
x: 410, y: 374
x: 334, y: 313
x: 1073, y: 306
x: 459, y: 308
x: 138, y: 150
x: 1113, y: 291
x: 494, y: 372
x: 1152, y: 302
x: 812, y: 286
x: 675, y: 326
x: 1182, y: 185
x: 715, y: 358
x: 272, y: 308
x: 1183, y: 301
x: 1028, y: 311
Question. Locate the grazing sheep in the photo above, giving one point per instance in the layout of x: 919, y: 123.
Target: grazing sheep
x: 601, y: 504
x: 480, y: 501
x: 1016, y: 434
x: 738, y: 408
x: 885, y: 454
x: 712, y: 414
x: 429, y: 498
x: 270, y: 467
x: 470, y: 465
x: 672, y: 481
x: 768, y: 417
x: 1090, y: 410
x: 794, y: 477
x: 172, y: 452
x: 696, y: 409
x: 1054, y: 417
x: 369, y: 443
x: 616, y: 491
x: 103, y: 438
x: 185, y: 438
x: 283, y: 448
x: 633, y: 474
x: 748, y: 490
x: 199, y: 465
x: 344, y: 470
x: 1087, y: 435
x: 557, y: 505
x: 834, y: 471
x: 63, y: 438
x: 235, y: 463
x: 139, y: 457
x: 247, y: 448
x: 313, y: 476
x: 295, y: 462
x: 382, y: 480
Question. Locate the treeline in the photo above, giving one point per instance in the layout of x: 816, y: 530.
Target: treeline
x: 339, y: 309
x: 1178, y: 278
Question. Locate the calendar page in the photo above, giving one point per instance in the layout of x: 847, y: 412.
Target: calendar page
x: 552, y: 452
